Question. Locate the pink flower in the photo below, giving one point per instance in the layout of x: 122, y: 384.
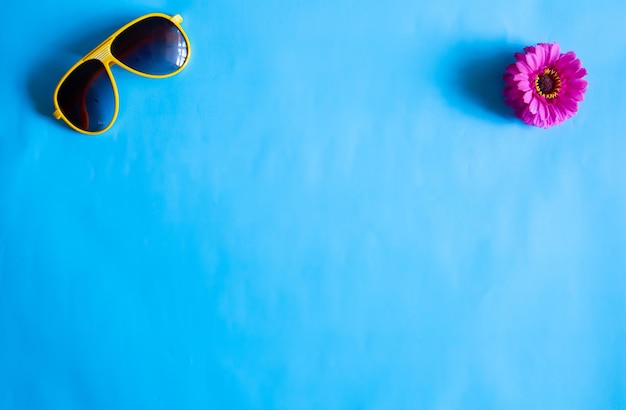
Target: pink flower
x: 544, y: 86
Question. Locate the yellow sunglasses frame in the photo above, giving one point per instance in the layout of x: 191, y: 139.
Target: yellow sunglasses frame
x: 103, y: 53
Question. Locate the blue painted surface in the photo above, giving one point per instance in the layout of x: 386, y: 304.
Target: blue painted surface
x: 329, y: 208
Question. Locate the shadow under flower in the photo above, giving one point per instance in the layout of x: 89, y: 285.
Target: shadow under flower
x: 471, y: 77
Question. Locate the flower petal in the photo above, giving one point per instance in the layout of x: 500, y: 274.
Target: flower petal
x: 553, y: 54
x: 580, y: 73
x: 524, y: 85
x: 568, y: 106
x: 543, y: 111
x: 577, y: 85
x: 552, y: 114
x: 542, y: 53
x: 520, y: 76
x: 533, y: 106
x: 573, y: 95
x: 528, y: 96
x: 533, y: 61
x: 527, y: 117
x: 523, y: 67
x: 512, y: 69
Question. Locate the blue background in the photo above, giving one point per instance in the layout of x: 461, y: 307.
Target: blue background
x: 329, y: 208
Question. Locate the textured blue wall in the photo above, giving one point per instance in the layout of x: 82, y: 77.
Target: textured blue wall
x: 329, y: 208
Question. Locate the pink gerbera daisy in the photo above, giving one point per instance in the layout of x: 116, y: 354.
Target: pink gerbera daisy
x: 544, y: 86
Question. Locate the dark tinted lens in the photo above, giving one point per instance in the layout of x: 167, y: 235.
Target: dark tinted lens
x: 153, y: 46
x: 86, y: 97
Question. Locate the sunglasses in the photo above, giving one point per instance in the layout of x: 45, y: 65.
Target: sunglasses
x: 153, y: 46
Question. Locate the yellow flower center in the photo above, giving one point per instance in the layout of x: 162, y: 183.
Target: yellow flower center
x: 548, y: 84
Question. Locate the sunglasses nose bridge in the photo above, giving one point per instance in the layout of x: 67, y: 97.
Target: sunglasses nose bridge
x: 102, y: 52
